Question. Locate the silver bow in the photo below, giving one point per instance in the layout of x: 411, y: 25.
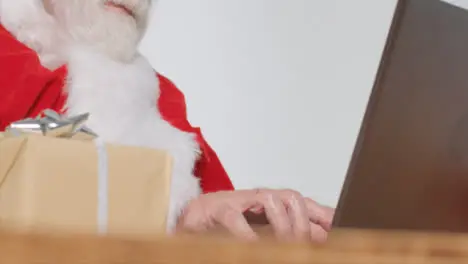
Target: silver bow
x: 50, y: 123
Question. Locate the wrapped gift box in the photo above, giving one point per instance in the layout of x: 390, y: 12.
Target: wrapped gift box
x: 56, y: 183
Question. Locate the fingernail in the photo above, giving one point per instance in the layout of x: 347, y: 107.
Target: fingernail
x: 256, y: 210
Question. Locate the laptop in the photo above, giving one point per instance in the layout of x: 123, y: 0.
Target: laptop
x: 409, y: 169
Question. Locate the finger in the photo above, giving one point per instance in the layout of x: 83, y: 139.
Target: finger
x: 319, y: 214
x: 256, y: 209
x: 277, y: 215
x: 318, y: 234
x: 298, y: 213
x: 234, y: 221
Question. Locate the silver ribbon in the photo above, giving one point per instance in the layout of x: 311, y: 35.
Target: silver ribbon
x: 50, y: 123
x: 103, y: 187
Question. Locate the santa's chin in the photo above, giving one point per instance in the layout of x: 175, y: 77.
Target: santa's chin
x: 113, y: 34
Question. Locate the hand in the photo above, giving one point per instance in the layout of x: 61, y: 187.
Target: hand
x: 292, y: 216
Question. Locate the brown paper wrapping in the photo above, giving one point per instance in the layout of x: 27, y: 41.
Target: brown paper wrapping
x: 51, y: 183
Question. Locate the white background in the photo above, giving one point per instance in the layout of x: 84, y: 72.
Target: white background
x: 279, y: 87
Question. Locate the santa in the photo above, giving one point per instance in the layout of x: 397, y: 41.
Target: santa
x: 77, y: 56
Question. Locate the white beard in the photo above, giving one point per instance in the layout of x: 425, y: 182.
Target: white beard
x: 91, y: 23
x: 83, y: 22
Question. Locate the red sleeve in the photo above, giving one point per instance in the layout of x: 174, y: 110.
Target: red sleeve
x: 213, y: 176
x: 26, y: 87
x: 211, y: 172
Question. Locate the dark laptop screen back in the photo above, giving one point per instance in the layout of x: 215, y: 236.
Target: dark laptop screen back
x: 410, y: 166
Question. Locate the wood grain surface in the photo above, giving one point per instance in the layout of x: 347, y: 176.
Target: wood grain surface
x: 344, y: 246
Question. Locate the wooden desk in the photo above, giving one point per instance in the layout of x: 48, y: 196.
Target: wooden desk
x: 344, y: 247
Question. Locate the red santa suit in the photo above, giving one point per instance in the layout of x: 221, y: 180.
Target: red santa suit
x: 129, y: 104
